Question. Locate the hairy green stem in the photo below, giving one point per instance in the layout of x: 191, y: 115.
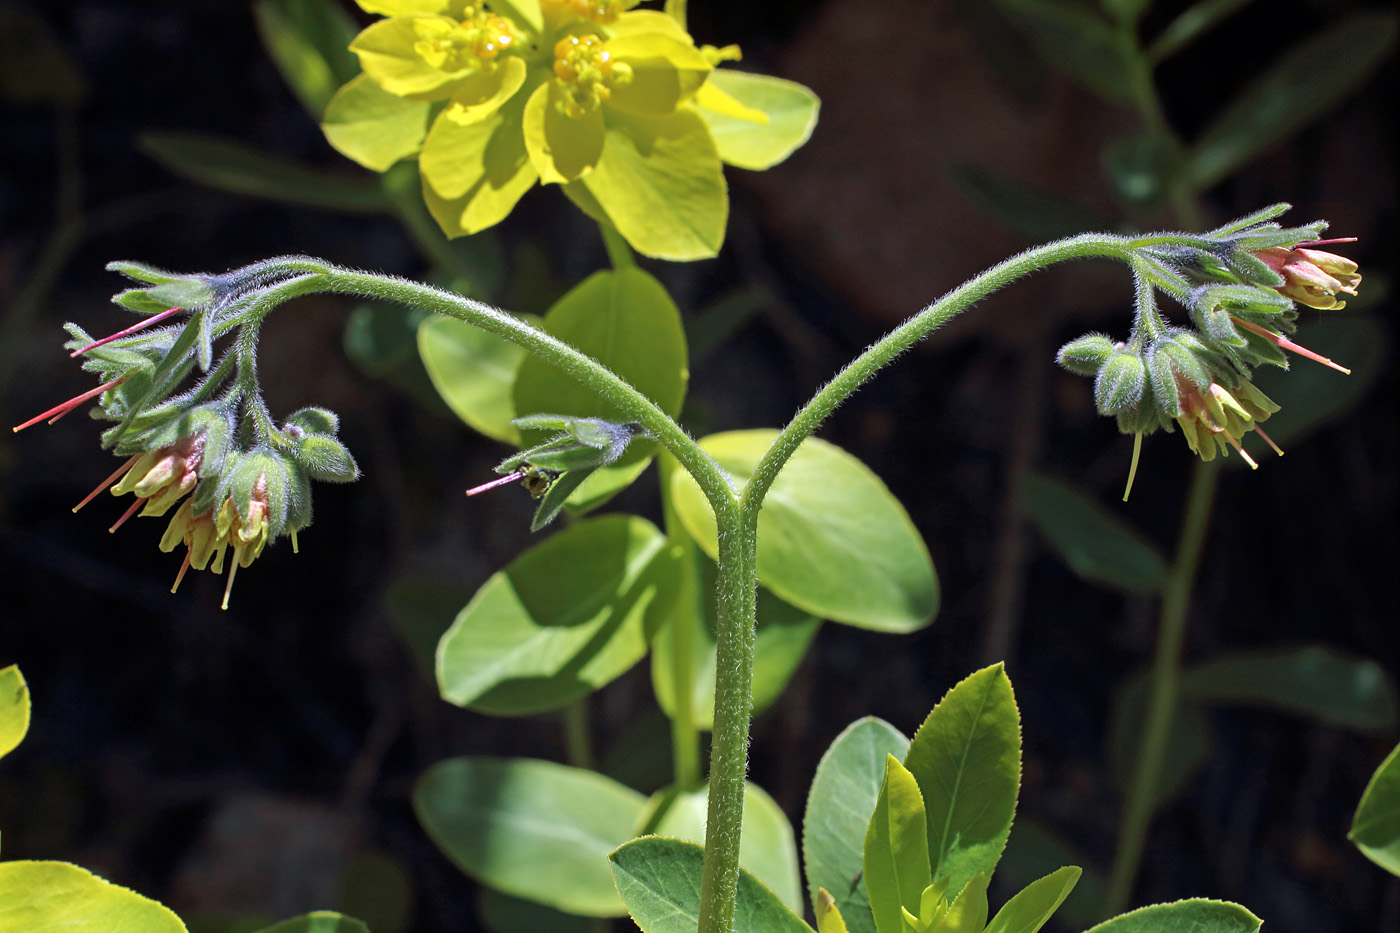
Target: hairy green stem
x: 1165, y: 687
x: 840, y: 388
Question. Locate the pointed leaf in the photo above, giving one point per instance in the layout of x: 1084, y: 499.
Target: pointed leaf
x: 318, y: 921
x: 781, y: 640
x: 561, y: 620
x: 831, y: 538
x: 1375, y: 828
x: 788, y: 111
x: 829, y: 919
x: 14, y: 709
x: 1096, y: 544
x: 366, y: 123
x: 1315, y: 681
x: 660, y: 183
x: 896, y: 850
x: 1076, y: 40
x: 308, y: 41
x: 967, y: 760
x: 1032, y: 851
x: 1307, y: 81
x: 659, y: 880
x: 1034, y: 904
x: 767, y: 847
x: 56, y: 897
x: 532, y: 829
x: 1196, y: 915
x: 839, y: 806
x: 968, y: 912
x: 236, y: 168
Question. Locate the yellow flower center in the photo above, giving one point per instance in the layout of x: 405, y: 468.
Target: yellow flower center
x: 586, y: 70
x: 470, y: 44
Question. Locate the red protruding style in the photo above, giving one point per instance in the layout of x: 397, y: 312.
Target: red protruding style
x: 58, y: 411
x: 486, y: 487
x: 107, y: 482
x: 153, y: 319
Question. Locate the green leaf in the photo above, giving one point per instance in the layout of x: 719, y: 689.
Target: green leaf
x: 896, y: 849
x: 308, y: 41
x: 561, y: 620
x: 1188, y: 742
x: 421, y: 608
x: 1028, y: 910
x: 233, y: 167
x: 366, y: 123
x: 660, y: 183
x: 1032, y: 851
x: 781, y: 640
x: 659, y: 880
x: 34, y: 67
x: 1075, y: 40
x: 318, y: 921
x: 1305, y: 83
x: 14, y: 709
x: 1312, y: 395
x: 625, y: 320
x: 789, y: 110
x: 1313, y: 681
x: 56, y: 897
x: 1032, y: 213
x: 1196, y: 915
x: 767, y: 848
x: 1139, y: 167
x: 839, y: 806
x: 832, y: 540
x: 505, y: 914
x: 967, y: 760
x: 474, y: 372
x: 1095, y: 544
x: 532, y: 829
x: 382, y: 340
x: 1375, y: 829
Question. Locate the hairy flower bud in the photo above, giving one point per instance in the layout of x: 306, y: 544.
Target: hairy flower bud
x: 1120, y: 383
x: 1085, y: 355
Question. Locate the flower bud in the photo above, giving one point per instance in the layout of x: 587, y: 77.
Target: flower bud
x: 326, y: 459
x: 1086, y: 355
x: 1120, y: 383
x: 315, y: 420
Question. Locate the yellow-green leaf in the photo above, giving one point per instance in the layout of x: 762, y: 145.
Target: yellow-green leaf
x: 896, y: 849
x: 828, y: 917
x: 56, y: 897
x: 14, y: 709
x: 386, y: 51
x: 474, y: 372
x: 366, y: 123
x: 561, y: 147
x: 661, y: 183
x: 473, y: 175
x: 666, y: 73
x: 791, y: 110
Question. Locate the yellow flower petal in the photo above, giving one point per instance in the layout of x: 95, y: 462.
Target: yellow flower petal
x: 387, y: 54
x: 483, y: 94
x: 373, y: 127
x: 561, y: 147
x: 666, y: 73
x: 405, y: 7
x: 474, y: 174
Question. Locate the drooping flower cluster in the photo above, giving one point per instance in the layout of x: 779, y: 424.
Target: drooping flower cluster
x: 212, y: 450
x: 616, y: 105
x: 1239, y: 284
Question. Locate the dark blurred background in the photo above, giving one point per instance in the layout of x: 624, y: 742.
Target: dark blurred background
x: 259, y: 761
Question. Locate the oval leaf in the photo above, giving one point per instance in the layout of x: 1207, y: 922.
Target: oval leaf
x: 781, y: 640
x: 839, y: 806
x: 1196, y: 915
x: 318, y: 921
x: 532, y: 829
x: 831, y: 538
x: 1354, y: 693
x: 625, y: 320
x: 768, y: 848
x: 561, y: 620
x: 56, y: 897
x: 967, y: 760
x: 1095, y: 544
x: 474, y: 372
x: 14, y: 709
x: 1375, y: 829
x: 659, y: 880
x: 773, y: 117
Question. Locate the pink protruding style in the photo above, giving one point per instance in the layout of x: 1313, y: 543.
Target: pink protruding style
x: 127, y: 514
x: 58, y: 411
x: 153, y: 319
x: 107, y: 482
x: 486, y: 487
x: 1286, y: 344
